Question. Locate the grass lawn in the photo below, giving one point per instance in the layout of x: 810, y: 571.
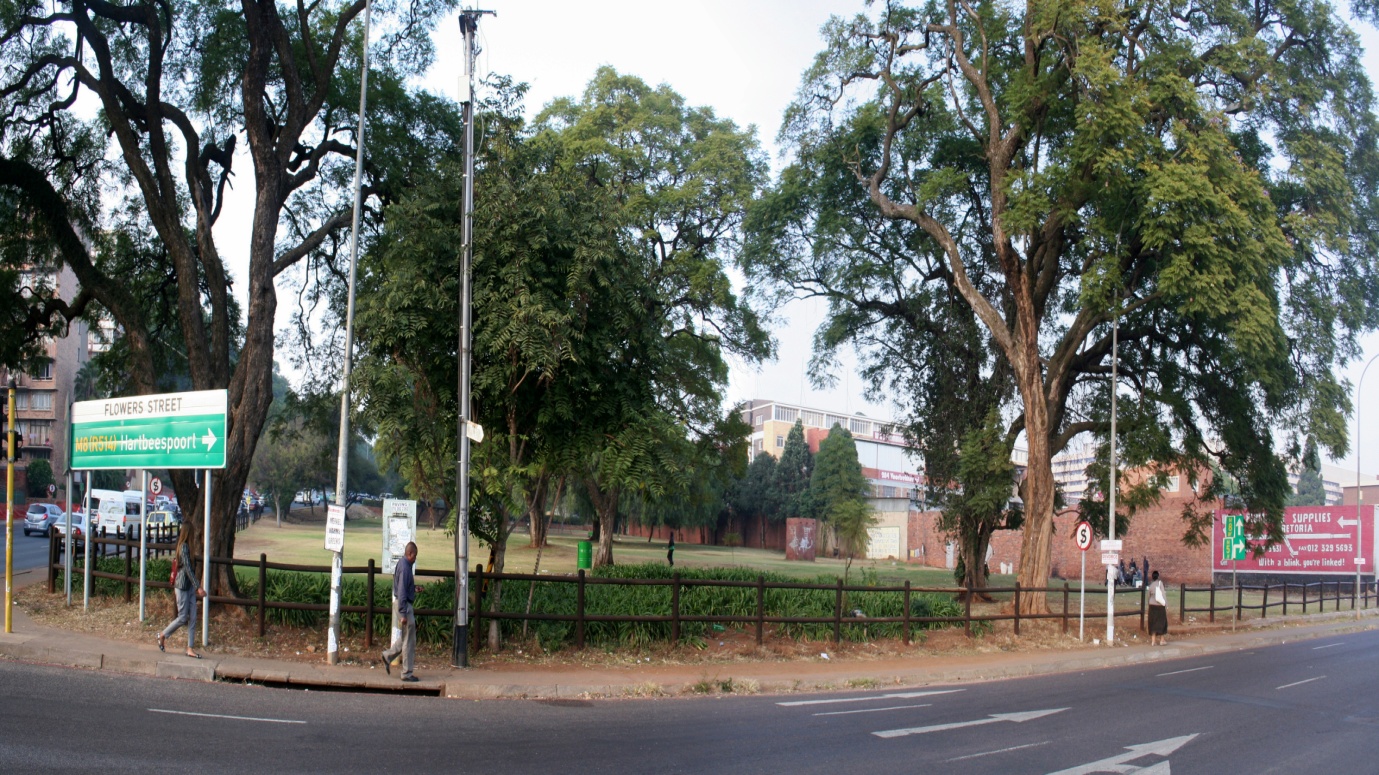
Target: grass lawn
x: 303, y: 544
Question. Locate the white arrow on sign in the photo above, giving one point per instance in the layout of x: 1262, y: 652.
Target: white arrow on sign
x: 1348, y: 522
x: 1018, y: 718
x: 209, y: 439
x: 1117, y: 763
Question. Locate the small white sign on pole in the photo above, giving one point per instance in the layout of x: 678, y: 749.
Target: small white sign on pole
x: 1110, y: 558
x: 1108, y: 545
x: 399, y: 527
x: 335, y: 528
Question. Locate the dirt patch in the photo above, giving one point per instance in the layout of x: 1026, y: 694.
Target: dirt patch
x: 235, y: 633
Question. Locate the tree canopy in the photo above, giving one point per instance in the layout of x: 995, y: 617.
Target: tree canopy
x: 1001, y: 182
x: 120, y: 128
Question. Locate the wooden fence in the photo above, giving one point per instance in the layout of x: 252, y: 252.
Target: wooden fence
x: 479, y: 581
x: 1284, y: 594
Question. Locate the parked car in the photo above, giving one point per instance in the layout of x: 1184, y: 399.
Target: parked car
x: 40, y: 518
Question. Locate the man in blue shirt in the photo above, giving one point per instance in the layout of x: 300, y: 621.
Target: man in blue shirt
x: 404, y: 595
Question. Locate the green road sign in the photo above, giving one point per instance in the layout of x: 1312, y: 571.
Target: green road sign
x: 1233, y: 547
x: 170, y: 430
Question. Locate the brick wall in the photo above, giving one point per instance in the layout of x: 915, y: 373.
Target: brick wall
x: 1155, y: 533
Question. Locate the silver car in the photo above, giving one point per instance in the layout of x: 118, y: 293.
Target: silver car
x: 41, y: 517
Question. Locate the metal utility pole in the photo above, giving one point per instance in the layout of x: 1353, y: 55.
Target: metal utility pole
x: 459, y: 649
x: 1359, y: 490
x: 9, y: 507
x: 342, y: 457
x: 1111, y: 512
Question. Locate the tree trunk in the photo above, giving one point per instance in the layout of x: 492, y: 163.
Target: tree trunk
x: 278, y: 509
x: 536, y: 514
x: 974, y: 564
x: 495, y: 596
x: 1039, y: 491
x: 607, y: 506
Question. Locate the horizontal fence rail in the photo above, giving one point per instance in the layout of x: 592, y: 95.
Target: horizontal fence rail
x: 766, y: 600
x: 1299, y: 597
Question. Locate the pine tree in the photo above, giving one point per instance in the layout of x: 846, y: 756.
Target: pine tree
x: 1311, y: 490
x: 793, y: 474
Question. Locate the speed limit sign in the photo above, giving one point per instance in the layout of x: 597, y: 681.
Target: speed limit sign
x: 1083, y: 535
x: 155, y: 486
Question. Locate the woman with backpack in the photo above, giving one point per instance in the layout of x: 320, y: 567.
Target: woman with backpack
x: 186, y: 588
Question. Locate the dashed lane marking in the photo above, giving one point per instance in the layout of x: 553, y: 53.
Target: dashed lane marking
x: 896, y: 696
x: 999, y: 750
x: 1300, y: 683
x: 1189, y: 670
x: 218, y: 715
x: 872, y: 710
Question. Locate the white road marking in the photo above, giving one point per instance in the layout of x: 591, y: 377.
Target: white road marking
x: 1300, y: 683
x: 1189, y: 670
x: 899, y: 696
x: 1117, y: 763
x: 1018, y: 718
x: 872, y: 710
x: 1000, y: 750
x: 1327, y: 646
x: 236, y: 718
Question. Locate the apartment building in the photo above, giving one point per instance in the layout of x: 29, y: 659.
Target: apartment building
x: 43, y: 397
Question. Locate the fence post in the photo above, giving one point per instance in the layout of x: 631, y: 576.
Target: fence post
x: 838, y: 614
x: 1143, y: 593
x: 1264, y: 608
x: 1017, y: 608
x: 1182, y: 603
x: 1285, y: 598
x: 761, y: 608
x: 1239, y: 600
x: 579, y: 612
x: 368, y: 606
x: 52, y: 560
x: 1354, y: 596
x: 1065, y: 608
x: 1304, y: 597
x: 906, y: 614
x: 477, y: 610
x: 128, y: 571
x: 1211, y: 603
x: 967, y: 611
x: 263, y: 594
x: 675, y: 608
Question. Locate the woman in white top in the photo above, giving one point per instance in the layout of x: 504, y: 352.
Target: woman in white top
x: 1158, y: 611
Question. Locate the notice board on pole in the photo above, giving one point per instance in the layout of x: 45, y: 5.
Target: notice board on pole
x: 399, y: 527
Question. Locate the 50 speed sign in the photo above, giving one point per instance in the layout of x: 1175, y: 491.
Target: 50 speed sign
x: 1083, y: 535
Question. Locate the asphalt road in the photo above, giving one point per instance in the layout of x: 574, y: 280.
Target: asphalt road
x: 29, y: 551
x: 1310, y: 706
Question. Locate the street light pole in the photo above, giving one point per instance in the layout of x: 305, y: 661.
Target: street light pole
x: 459, y: 647
x: 1359, y: 490
x: 342, y: 458
x: 1111, y: 512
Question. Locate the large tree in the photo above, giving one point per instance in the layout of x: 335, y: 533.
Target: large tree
x: 1203, y: 172
x: 678, y: 178
x: 124, y: 119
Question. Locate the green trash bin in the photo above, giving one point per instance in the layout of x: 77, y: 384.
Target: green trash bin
x: 584, y: 558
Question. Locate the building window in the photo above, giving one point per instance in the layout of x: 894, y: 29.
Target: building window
x: 37, y: 433
x: 813, y: 419
x: 887, y: 491
x: 780, y: 442
x: 859, y: 426
x: 834, y: 419
x: 21, y: 401
x: 46, y: 372
x: 756, y: 446
x: 42, y: 401
x: 786, y: 414
x: 1172, y: 485
x: 759, y: 419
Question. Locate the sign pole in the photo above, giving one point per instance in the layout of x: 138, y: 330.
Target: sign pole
x: 143, y: 539
x: 9, y: 510
x: 206, y: 565
x: 86, y: 551
x: 67, y: 534
x: 1082, y: 600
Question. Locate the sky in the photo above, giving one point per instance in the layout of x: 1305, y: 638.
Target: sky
x: 744, y: 59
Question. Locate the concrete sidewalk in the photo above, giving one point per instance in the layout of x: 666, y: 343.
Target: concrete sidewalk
x: 43, y: 645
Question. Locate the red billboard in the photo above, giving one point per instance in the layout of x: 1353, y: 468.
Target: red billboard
x: 1316, y: 540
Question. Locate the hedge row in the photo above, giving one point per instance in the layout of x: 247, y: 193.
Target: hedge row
x: 600, y: 599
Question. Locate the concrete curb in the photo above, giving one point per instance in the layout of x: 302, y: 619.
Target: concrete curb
x: 808, y: 676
